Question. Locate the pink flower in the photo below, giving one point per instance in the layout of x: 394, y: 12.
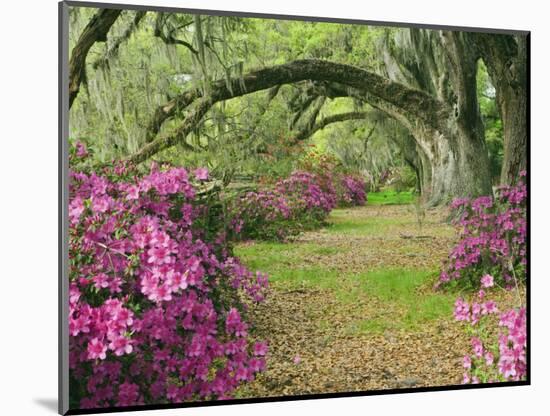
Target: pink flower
x: 201, y: 174
x: 257, y: 364
x: 462, y: 310
x: 158, y: 315
x: 101, y: 281
x: 297, y: 359
x: 100, y: 204
x: 487, y: 281
x: 260, y: 349
x: 159, y: 255
x: 81, y: 150
x: 177, y: 281
x: 467, y: 362
x: 477, y: 346
x: 97, y: 349
x: 233, y: 318
x: 121, y: 346
x: 489, y: 307
x: 76, y: 208
x: 241, y: 373
x: 133, y: 192
x: 506, y: 368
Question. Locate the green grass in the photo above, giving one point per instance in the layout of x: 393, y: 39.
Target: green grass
x: 390, y: 197
x: 394, y: 285
x: 277, y: 258
x: 370, y: 326
x: 408, y: 303
x: 340, y: 222
x: 399, y: 289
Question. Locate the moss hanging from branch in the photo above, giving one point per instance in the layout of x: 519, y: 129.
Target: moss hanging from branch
x: 95, y: 31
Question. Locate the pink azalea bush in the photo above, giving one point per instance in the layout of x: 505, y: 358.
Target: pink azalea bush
x: 301, y: 201
x: 498, y: 341
x: 352, y: 191
x: 155, y: 311
x: 491, y: 255
x: 492, y: 238
x: 310, y: 193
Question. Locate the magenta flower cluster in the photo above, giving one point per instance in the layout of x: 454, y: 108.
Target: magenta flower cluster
x: 491, y: 255
x: 309, y: 192
x: 492, y: 238
x: 492, y: 360
x: 352, y: 191
x: 154, y: 311
x: 301, y: 201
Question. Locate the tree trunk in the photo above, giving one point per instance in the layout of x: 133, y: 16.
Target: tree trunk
x: 95, y: 31
x: 455, y: 165
x: 455, y: 158
x: 506, y: 59
x: 425, y: 170
x: 514, y: 119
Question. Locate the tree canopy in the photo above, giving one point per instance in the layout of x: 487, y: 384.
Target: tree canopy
x: 227, y: 91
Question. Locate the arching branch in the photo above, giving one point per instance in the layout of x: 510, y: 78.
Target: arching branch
x: 95, y: 31
x: 411, y: 103
x: 415, y: 102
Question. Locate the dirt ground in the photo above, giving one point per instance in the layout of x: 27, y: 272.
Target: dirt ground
x: 311, y: 346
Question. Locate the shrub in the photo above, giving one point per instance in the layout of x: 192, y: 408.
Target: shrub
x: 492, y: 238
x: 155, y: 314
x: 263, y: 215
x: 498, y: 340
x: 491, y: 254
x: 352, y: 191
x: 309, y: 193
x: 300, y: 202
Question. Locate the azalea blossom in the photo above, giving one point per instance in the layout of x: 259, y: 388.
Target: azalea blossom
x: 201, y: 174
x: 97, y: 349
x: 260, y: 348
x: 487, y: 281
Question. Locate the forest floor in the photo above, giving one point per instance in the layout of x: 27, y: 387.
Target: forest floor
x: 352, y: 306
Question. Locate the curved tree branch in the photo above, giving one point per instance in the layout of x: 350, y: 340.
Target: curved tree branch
x: 95, y: 31
x: 415, y: 103
x: 411, y: 103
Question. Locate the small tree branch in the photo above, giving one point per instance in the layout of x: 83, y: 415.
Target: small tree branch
x: 309, y: 131
x: 169, y: 39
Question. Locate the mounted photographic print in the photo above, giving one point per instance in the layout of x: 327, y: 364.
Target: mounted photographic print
x: 262, y: 208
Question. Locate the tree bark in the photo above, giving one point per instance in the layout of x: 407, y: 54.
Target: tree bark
x: 506, y: 59
x: 95, y: 31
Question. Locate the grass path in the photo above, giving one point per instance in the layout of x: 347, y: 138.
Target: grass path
x: 351, y: 307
